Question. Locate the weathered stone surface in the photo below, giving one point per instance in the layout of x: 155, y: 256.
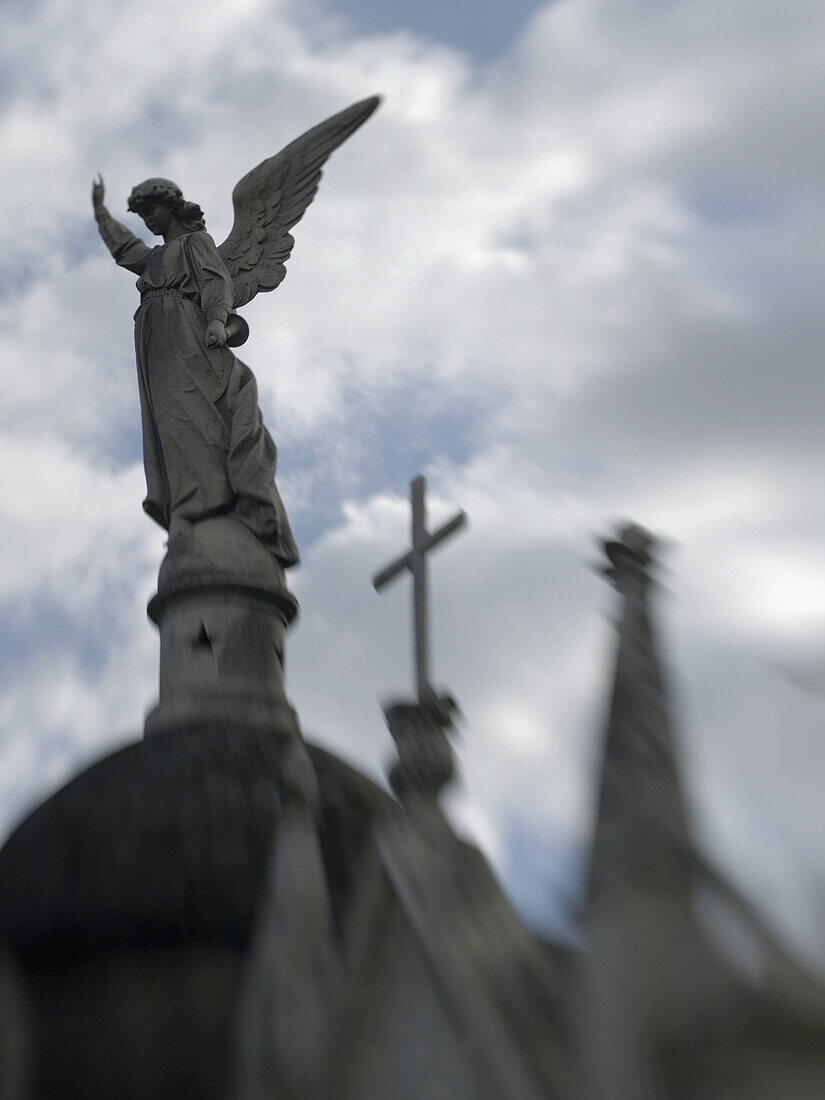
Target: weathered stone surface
x: 425, y: 756
x: 167, y: 841
x: 14, y: 1032
x: 295, y: 970
x: 641, y: 826
x: 662, y: 1011
x: 222, y: 607
x: 220, y: 911
x: 128, y: 900
x: 397, y: 1038
x: 206, y: 449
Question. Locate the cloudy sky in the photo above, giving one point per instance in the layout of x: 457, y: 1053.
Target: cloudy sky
x: 571, y: 271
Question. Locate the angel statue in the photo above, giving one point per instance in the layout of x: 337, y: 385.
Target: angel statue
x: 206, y: 451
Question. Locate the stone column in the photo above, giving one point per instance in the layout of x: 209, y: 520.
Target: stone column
x: 222, y: 608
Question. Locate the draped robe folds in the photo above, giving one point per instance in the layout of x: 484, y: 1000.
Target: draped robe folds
x: 206, y: 450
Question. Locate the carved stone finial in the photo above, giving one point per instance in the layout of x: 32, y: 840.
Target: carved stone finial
x: 642, y: 832
x: 425, y: 756
x: 631, y: 555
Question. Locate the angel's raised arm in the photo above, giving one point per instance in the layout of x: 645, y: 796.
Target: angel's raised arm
x: 128, y: 250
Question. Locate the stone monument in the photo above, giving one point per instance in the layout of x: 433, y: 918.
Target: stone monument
x: 418, y: 728
x: 223, y: 910
x: 222, y: 604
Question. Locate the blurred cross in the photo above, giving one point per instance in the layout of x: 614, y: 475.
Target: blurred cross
x: 415, y: 561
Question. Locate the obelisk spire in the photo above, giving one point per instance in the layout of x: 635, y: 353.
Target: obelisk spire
x: 641, y: 831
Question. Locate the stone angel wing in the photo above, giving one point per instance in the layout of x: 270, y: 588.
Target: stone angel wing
x: 272, y: 198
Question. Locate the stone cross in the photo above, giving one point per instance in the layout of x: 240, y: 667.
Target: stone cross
x: 415, y: 561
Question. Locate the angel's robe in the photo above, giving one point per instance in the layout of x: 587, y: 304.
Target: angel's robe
x: 206, y: 450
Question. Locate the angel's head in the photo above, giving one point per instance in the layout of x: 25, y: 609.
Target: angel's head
x: 159, y: 201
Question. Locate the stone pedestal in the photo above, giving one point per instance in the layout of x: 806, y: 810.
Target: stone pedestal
x: 425, y: 756
x: 222, y: 608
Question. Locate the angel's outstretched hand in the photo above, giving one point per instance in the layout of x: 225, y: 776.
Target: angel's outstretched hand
x: 98, y: 191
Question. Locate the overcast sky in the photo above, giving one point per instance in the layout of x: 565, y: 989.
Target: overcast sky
x: 572, y: 271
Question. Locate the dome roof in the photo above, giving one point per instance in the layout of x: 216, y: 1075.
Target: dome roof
x: 166, y: 842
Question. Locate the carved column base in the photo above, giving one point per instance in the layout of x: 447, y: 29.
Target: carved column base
x: 222, y: 608
x: 425, y: 756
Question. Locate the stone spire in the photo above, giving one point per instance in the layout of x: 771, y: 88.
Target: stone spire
x: 641, y: 836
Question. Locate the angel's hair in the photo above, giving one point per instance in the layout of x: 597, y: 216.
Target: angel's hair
x: 189, y: 214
